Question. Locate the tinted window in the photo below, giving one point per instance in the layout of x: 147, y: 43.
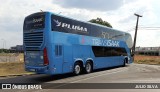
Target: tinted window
x: 67, y: 25
x: 34, y: 21
x: 100, y: 51
x: 58, y: 50
x: 62, y: 24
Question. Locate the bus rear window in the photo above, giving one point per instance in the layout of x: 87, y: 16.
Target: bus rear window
x: 34, y: 21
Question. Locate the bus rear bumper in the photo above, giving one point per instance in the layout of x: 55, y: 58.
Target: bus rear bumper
x: 38, y: 69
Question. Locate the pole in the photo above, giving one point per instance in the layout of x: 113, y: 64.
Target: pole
x: 135, y: 36
x: 3, y: 42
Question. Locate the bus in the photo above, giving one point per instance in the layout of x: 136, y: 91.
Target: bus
x: 55, y: 44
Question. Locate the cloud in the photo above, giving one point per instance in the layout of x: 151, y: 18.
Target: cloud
x: 99, y: 5
x: 149, y: 38
x: 12, y: 14
x: 117, y: 12
x: 10, y: 38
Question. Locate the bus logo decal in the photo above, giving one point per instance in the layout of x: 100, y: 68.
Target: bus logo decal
x: 83, y: 40
x: 57, y: 22
x: 70, y: 26
x: 102, y: 42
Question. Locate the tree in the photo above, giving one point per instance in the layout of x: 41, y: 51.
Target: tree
x: 101, y: 22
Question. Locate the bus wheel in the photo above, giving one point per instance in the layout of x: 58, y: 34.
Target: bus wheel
x: 77, y: 68
x: 88, y: 67
x: 124, y: 63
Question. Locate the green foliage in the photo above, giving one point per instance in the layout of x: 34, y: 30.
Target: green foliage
x: 4, y: 51
x: 101, y: 22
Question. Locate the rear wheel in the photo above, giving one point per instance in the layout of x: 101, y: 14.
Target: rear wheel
x: 77, y: 68
x: 88, y: 67
x: 125, y: 61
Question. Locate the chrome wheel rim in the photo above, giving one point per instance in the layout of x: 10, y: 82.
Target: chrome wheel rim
x: 77, y: 69
x: 88, y: 67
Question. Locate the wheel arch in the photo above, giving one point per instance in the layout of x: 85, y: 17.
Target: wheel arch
x: 91, y: 61
x: 79, y: 61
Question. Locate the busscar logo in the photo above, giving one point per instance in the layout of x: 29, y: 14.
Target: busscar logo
x: 70, y: 26
x: 34, y: 20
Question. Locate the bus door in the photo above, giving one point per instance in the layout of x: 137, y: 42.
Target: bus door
x: 58, y: 59
x: 67, y: 59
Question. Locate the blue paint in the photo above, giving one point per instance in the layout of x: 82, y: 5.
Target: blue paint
x: 64, y: 49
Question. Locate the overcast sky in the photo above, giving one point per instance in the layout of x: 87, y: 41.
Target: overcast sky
x: 119, y: 13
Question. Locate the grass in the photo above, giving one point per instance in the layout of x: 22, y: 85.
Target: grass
x: 12, y: 68
x: 142, y: 59
x: 4, y: 54
x: 17, y: 68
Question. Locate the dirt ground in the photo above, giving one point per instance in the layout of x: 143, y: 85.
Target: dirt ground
x: 17, y: 67
x: 11, y: 57
x: 12, y: 68
x: 142, y: 59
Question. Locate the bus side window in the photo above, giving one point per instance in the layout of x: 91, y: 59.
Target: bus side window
x: 58, y: 50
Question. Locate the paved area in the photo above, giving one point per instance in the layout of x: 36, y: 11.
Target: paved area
x: 134, y: 73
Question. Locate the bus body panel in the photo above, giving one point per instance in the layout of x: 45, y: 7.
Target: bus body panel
x: 102, y: 62
x: 66, y: 48
x: 67, y: 59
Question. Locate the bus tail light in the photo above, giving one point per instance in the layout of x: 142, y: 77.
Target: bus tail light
x: 45, y: 57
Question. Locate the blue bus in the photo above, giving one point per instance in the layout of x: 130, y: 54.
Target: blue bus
x: 55, y: 44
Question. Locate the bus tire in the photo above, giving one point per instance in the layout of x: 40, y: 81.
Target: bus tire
x: 124, y: 62
x: 88, y: 67
x: 77, y: 68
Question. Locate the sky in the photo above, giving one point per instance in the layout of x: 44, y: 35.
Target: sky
x: 119, y: 13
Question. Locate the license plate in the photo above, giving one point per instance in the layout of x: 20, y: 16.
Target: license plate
x: 33, y: 53
x: 33, y: 70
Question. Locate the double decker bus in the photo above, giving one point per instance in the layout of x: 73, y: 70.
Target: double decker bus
x: 55, y: 44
